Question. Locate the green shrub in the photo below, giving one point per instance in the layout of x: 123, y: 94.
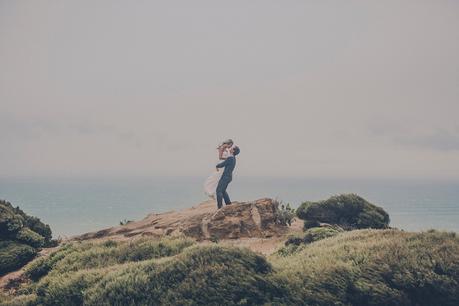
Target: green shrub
x: 296, y: 242
x: 41, y: 266
x: 289, y: 249
x: 87, y: 255
x: 110, y: 243
x: 10, y: 223
x: 284, y: 214
x: 310, y: 224
x: 314, y: 234
x: 127, y: 285
x: 303, y: 207
x: 214, y: 238
x: 23, y: 300
x: 210, y: 275
x: 143, y: 249
x: 348, y: 210
x: 27, y: 236
x: 13, y: 220
x: 361, y: 267
x: 67, y: 288
x: 14, y: 255
x: 22, y: 235
x: 39, y: 227
x: 197, y: 275
x: 66, y: 274
x: 375, y: 267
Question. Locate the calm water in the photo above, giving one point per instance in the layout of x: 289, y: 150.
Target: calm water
x: 74, y: 206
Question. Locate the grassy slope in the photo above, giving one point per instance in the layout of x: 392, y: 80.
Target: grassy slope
x: 364, y: 267
x: 375, y: 267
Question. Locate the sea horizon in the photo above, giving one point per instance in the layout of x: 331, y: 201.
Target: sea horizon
x: 75, y: 205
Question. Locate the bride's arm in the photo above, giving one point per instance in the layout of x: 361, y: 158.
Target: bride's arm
x: 221, y: 149
x: 222, y: 164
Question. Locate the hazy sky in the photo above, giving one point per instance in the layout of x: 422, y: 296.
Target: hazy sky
x: 306, y: 88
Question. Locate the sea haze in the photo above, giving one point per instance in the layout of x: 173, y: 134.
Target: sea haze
x: 75, y: 206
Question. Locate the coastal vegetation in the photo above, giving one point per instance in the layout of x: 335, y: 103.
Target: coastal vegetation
x: 360, y: 267
x: 296, y: 242
x: 21, y: 236
x: 284, y: 214
x: 349, y: 211
x: 330, y: 264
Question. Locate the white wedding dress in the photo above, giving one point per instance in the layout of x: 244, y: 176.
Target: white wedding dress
x: 210, y: 184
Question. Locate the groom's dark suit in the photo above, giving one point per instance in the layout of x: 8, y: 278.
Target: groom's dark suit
x: 227, y: 177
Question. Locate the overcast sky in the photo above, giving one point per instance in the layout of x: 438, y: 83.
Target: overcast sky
x: 325, y: 88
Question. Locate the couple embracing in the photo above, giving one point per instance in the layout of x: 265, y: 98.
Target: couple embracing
x: 218, y: 182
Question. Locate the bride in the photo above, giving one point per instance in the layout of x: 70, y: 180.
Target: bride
x: 210, y: 185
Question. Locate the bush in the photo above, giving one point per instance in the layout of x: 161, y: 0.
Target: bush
x: 348, y: 210
x: 17, y: 226
x: 23, y: 300
x: 14, y: 255
x: 285, y: 214
x: 196, y: 275
x: 375, y: 267
x: 353, y: 268
x: 296, y: 242
x: 10, y: 223
x: 289, y: 249
x: 210, y: 275
x: 314, y: 234
x: 67, y: 288
x: 27, y: 236
x: 13, y: 219
x: 310, y: 224
x: 38, y: 227
x: 88, y: 255
x: 41, y: 266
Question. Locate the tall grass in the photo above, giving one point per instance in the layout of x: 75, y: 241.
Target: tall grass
x: 362, y: 267
x: 208, y: 275
x: 87, y: 255
x: 375, y: 267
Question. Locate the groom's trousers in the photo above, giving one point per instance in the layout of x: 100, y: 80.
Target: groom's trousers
x: 221, y: 191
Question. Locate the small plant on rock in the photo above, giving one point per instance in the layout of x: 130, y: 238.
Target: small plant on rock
x: 214, y: 239
x: 284, y: 214
x: 124, y: 222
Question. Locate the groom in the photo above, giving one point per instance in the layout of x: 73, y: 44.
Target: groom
x: 227, y: 177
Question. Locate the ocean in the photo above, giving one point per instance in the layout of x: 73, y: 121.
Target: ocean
x: 75, y: 206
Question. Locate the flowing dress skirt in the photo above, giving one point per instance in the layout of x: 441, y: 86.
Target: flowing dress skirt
x: 210, y: 185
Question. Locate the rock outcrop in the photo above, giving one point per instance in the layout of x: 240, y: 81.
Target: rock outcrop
x: 238, y: 220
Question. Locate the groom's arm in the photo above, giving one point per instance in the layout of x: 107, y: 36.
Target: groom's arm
x: 222, y: 164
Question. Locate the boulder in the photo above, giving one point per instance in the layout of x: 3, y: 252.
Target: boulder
x: 204, y: 221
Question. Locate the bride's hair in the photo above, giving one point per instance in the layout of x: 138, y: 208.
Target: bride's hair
x: 228, y: 141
